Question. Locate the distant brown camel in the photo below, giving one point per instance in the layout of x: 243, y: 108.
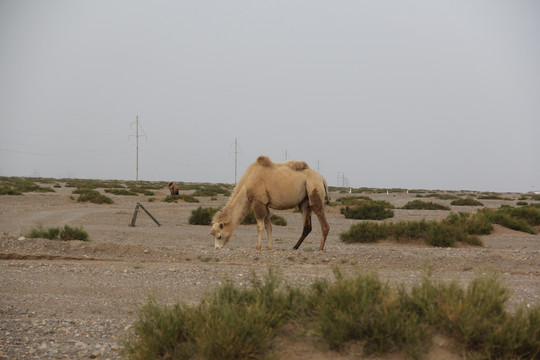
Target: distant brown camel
x: 174, y: 188
x: 277, y: 186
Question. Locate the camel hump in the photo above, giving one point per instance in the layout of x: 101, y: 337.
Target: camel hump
x: 264, y: 161
x: 298, y: 165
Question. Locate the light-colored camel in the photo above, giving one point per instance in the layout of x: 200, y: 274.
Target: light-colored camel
x: 267, y: 185
x: 174, y: 188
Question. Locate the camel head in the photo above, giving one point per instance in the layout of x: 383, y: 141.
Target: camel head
x: 222, y: 233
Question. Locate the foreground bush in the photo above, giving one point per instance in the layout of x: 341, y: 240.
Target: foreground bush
x: 66, y: 233
x: 202, y: 215
x: 240, y: 322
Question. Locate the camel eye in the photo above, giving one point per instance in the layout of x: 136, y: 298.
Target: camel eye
x: 220, y: 237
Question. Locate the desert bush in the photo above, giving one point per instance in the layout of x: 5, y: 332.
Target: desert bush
x: 424, y: 205
x: 161, y: 333
x: 202, y: 215
x: 94, y: 196
x: 184, y: 197
x: 452, y: 229
x: 474, y: 224
x: 369, y: 210
x: 234, y: 322
x: 274, y: 219
x: 141, y: 190
x: 466, y: 202
x: 118, y: 191
x: 512, y: 219
x: 349, y: 200
x: 365, y: 232
x: 19, y: 185
x: 55, y: 233
x: 362, y: 308
x: 211, y: 190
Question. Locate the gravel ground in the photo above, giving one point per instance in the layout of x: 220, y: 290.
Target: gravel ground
x: 66, y: 300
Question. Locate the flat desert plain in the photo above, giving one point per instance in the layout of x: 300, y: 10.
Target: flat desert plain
x: 76, y: 300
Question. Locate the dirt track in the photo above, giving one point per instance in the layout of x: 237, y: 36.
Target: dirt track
x: 75, y: 299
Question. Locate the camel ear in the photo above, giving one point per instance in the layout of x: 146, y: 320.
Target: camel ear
x: 221, y: 225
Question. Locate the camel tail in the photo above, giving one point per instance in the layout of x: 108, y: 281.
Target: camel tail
x: 326, y: 192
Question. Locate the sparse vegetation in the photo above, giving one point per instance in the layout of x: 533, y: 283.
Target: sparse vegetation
x: 521, y: 219
x: 18, y: 185
x: 202, y: 215
x: 350, y: 309
x: 118, y: 191
x: 424, y: 205
x: 93, y: 196
x: 466, y: 202
x: 275, y: 219
x: 55, y: 233
x: 211, y: 190
x: 369, y: 210
x: 446, y: 233
x: 184, y: 197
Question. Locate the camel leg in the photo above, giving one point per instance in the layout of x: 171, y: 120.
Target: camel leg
x: 268, y: 225
x: 306, y: 217
x: 317, y: 206
x: 261, y: 212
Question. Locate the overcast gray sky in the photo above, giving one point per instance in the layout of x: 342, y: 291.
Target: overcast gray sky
x: 413, y: 94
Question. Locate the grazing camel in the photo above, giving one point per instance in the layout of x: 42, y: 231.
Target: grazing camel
x: 279, y: 186
x: 174, y: 188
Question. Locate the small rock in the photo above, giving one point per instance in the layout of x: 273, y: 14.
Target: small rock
x: 21, y: 238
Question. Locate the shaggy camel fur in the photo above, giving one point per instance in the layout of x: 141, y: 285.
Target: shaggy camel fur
x: 277, y: 186
x: 174, y: 188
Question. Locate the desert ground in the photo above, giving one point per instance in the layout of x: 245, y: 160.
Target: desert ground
x: 76, y: 300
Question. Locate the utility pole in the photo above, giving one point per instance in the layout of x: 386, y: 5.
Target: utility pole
x: 137, y: 147
x: 137, y: 172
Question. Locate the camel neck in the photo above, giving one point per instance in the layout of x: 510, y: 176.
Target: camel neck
x: 238, y: 206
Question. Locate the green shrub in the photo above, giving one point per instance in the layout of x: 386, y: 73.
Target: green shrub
x: 141, y: 190
x: 211, y: 190
x: 350, y: 200
x: 240, y: 322
x: 423, y: 205
x: 510, y: 219
x: 184, y: 197
x: 462, y: 228
x: 95, y: 197
x: 4, y: 190
x: 466, y: 202
x: 116, y: 191
x: 19, y: 185
x: 365, y: 232
x: 274, y: 219
x: 161, y: 333
x: 66, y: 233
x: 369, y: 210
x: 202, y: 215
x: 474, y: 224
x: 362, y: 308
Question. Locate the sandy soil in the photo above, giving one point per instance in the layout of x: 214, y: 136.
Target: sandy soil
x: 77, y: 299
